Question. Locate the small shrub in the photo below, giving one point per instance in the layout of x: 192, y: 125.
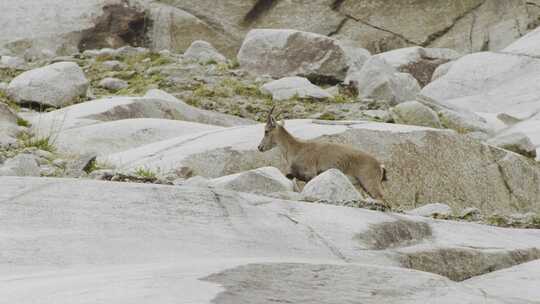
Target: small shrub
x: 145, y: 173
x: 29, y: 140
x: 22, y: 122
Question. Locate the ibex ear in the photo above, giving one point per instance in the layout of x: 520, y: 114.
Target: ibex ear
x: 272, y: 122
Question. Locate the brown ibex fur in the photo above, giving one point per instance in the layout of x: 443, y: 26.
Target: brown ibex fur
x: 307, y: 158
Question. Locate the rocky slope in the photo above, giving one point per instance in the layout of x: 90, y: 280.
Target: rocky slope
x: 131, y: 173
x: 466, y: 26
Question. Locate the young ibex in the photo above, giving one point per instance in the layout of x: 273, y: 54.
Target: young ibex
x: 307, y: 159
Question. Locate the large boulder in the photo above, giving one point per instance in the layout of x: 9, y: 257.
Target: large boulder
x: 203, y: 52
x: 415, y: 113
x: 420, y: 62
x: 514, y: 285
x: 261, y: 180
x: 289, y: 87
x: 331, y: 186
x: 502, y: 82
x: 475, y: 174
x: 21, y: 165
x: 380, y: 81
x: 155, y: 104
x: 35, y: 29
x: 515, y: 142
x: 9, y: 128
x: 56, y: 85
x: 281, y: 53
x: 132, y: 242
x: 175, y: 29
x: 120, y: 135
x: 468, y: 26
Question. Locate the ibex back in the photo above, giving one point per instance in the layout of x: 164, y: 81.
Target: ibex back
x: 307, y: 159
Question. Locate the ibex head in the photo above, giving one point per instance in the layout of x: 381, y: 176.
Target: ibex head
x: 270, y: 132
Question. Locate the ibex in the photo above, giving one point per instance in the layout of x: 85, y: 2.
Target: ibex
x: 307, y: 158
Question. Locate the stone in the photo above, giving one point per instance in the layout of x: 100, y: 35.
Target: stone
x: 120, y: 135
x: 152, y: 237
x: 289, y: 87
x: 331, y: 186
x: 435, y: 24
x: 515, y: 142
x: 415, y: 113
x: 513, y: 285
x: 432, y: 210
x: 196, y: 181
x: 56, y: 85
x: 261, y: 180
x: 356, y: 55
x: 175, y: 29
x: 203, y: 52
x: 441, y: 70
x: 78, y: 165
x: 378, y: 80
x: 492, y: 82
x: 462, y: 122
x: 282, y: 53
x: 10, y: 62
x: 155, y: 104
x: 84, y: 25
x: 475, y: 174
x: 113, y: 84
x: 21, y: 165
x: 420, y: 62
x: 473, y: 214
x: 3, y: 87
x: 113, y: 65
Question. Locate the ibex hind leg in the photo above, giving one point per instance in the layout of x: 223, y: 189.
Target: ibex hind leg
x: 373, y: 188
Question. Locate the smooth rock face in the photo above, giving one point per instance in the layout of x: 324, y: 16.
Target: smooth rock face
x: 204, y: 52
x: 331, y: 186
x: 435, y: 24
x: 20, y: 165
x: 415, y: 113
x: 155, y: 104
x: 515, y: 142
x: 175, y: 30
x: 475, y: 174
x: 8, y: 126
x: 281, y: 53
x: 113, y: 84
x: 131, y: 247
x: 261, y: 180
x: 463, y: 123
x: 289, y: 87
x: 430, y: 210
x: 10, y: 62
x: 120, y: 135
x: 378, y: 80
x: 55, y: 85
x: 420, y: 62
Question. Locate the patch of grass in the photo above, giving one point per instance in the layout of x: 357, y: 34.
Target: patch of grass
x: 23, y: 122
x: 497, y: 220
x: 203, y: 90
x: 29, y: 140
x: 9, y: 102
x: 341, y: 98
x: 145, y: 173
x: 328, y: 116
x: 95, y: 165
x: 242, y: 89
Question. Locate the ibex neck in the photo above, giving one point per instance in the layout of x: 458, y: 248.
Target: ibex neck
x: 288, y: 144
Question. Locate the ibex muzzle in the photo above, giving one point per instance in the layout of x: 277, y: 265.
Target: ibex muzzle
x: 307, y: 159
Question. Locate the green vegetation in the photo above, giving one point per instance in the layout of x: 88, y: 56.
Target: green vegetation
x: 29, y: 140
x: 145, y: 173
x: 23, y: 122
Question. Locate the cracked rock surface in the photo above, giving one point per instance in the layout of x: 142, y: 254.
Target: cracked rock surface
x: 134, y: 245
